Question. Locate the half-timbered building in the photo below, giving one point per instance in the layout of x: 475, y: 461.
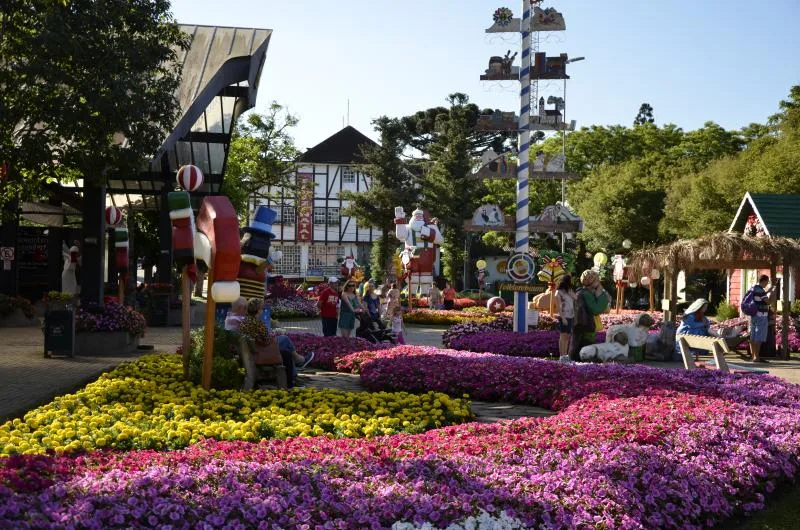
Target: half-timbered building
x: 311, y: 230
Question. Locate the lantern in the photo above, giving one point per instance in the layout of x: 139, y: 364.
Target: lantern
x: 189, y: 177
x: 645, y: 281
x: 632, y: 285
x: 654, y: 274
x: 600, y: 259
x: 113, y: 216
x: 627, y: 244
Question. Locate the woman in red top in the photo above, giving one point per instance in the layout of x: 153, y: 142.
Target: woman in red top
x: 328, y: 307
x: 449, y: 295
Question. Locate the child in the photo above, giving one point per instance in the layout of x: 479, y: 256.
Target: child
x: 397, y: 324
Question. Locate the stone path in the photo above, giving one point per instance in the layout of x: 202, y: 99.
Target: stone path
x: 28, y: 380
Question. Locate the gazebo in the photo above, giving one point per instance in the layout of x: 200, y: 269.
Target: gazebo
x: 724, y: 250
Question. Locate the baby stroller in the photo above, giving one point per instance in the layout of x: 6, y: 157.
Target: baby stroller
x: 373, y: 330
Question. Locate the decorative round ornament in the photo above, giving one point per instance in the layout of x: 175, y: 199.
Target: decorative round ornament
x: 501, y: 266
x: 113, y: 216
x: 655, y: 274
x: 645, y: 281
x: 495, y: 304
x: 481, y: 264
x: 503, y: 16
x: 600, y: 259
x: 521, y: 267
x: 627, y: 244
x: 189, y: 177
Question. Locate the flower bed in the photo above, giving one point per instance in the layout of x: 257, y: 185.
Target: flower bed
x: 11, y: 304
x: 794, y: 337
x: 145, y: 404
x: 628, y: 316
x: 632, y: 447
x: 112, y: 317
x: 442, y: 317
x: 531, y: 344
x: 328, y: 349
x: 293, y: 307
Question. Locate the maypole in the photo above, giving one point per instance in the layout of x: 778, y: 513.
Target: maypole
x: 522, y: 235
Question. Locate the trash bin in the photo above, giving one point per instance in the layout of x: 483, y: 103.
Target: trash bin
x: 159, y: 310
x: 59, y: 333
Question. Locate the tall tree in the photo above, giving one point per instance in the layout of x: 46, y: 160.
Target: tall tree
x: 261, y: 157
x: 391, y: 185
x: 88, y: 88
x: 448, y: 189
x: 645, y: 115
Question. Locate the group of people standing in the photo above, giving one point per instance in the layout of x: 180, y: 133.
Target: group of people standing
x: 342, y: 307
x: 441, y: 299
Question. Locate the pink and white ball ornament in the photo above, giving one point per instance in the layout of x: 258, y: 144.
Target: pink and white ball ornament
x: 189, y: 177
x: 113, y: 216
x: 495, y: 304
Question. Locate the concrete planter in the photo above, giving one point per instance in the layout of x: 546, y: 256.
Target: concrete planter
x: 18, y: 320
x: 105, y: 343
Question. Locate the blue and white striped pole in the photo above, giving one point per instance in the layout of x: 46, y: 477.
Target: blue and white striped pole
x: 523, y: 172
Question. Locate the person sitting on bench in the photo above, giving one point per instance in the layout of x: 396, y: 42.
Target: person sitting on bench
x: 694, y: 323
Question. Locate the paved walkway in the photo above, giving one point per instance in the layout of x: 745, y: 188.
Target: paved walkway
x: 28, y: 380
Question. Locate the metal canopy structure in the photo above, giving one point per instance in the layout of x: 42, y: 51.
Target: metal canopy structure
x: 221, y: 72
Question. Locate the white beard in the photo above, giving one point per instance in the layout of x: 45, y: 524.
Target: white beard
x: 415, y: 225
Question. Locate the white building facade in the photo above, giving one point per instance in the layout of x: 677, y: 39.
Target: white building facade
x: 311, y: 231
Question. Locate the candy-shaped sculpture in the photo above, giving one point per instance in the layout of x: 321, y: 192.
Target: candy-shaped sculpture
x: 255, y: 246
x: 421, y: 237
x: 183, y: 227
x: 216, y: 243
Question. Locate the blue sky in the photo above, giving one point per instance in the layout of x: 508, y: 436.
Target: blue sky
x: 693, y: 61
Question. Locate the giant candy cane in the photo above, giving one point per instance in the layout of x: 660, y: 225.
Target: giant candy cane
x: 216, y: 243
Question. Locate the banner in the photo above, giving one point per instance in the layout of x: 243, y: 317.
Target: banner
x: 521, y: 287
x: 305, y: 207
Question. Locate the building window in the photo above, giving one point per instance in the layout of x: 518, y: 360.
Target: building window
x: 319, y: 216
x: 325, y: 258
x: 333, y: 217
x: 289, y: 263
x: 348, y: 175
x: 287, y: 215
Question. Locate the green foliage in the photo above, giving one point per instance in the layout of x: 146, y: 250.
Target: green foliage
x: 726, y: 311
x: 75, y: 86
x: 392, y: 184
x: 645, y: 115
x: 261, y: 157
x: 225, y: 371
x: 795, y: 309
x: 705, y: 201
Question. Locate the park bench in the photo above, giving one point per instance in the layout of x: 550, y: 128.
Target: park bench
x: 259, y: 372
x: 716, y: 345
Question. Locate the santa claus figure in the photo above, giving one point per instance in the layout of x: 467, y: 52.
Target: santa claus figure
x: 421, y: 237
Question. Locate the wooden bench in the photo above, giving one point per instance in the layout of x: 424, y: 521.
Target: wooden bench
x: 258, y: 372
x: 717, y: 346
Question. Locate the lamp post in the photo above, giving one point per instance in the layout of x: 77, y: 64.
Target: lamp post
x: 564, y: 144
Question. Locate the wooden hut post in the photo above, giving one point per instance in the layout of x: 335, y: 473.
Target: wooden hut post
x: 786, y: 308
x: 673, y: 293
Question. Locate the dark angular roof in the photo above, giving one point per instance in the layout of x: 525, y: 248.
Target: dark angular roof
x: 344, y: 147
x: 778, y: 213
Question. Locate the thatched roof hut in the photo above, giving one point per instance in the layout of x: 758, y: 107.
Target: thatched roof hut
x: 723, y: 250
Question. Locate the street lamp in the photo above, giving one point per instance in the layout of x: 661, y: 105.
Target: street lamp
x: 564, y: 140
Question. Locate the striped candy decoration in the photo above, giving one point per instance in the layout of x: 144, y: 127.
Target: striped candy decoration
x: 113, y: 216
x: 189, y: 177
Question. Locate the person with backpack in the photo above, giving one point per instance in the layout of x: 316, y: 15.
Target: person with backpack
x: 756, y: 306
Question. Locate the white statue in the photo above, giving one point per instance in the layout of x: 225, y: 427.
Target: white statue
x: 69, y: 282
x: 617, y: 350
x: 422, y: 238
x: 636, y: 332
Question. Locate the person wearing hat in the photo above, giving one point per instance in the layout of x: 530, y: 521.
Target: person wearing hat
x: 694, y: 323
x: 328, y: 307
x: 592, y: 300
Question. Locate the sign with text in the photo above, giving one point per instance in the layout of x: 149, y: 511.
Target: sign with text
x: 305, y: 207
x: 521, y: 287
